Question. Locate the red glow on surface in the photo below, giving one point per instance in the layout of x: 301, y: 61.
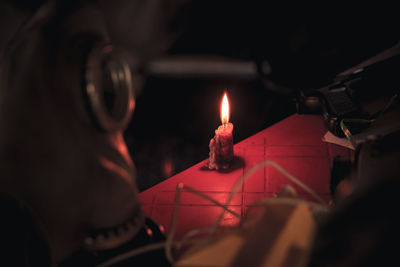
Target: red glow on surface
x: 149, y: 232
x: 294, y: 143
x: 225, y: 109
x: 167, y: 167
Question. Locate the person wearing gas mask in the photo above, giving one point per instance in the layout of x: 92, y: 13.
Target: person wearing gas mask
x: 67, y: 182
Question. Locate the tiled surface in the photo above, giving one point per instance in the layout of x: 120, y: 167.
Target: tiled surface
x: 312, y: 171
x: 294, y: 143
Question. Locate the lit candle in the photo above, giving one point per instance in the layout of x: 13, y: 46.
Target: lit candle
x: 221, y: 146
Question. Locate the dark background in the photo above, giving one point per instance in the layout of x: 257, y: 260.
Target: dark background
x: 175, y: 118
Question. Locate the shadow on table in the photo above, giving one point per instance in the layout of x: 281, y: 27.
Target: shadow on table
x: 237, y: 163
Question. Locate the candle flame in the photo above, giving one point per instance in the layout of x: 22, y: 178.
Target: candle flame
x: 225, y: 110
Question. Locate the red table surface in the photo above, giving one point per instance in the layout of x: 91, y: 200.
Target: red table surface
x: 295, y: 143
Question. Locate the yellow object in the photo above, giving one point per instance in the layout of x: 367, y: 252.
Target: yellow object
x: 281, y: 235
x: 221, y: 251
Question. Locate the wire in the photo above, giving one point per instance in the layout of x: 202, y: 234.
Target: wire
x: 259, y: 202
x: 388, y: 105
x: 252, y: 171
x: 174, y: 220
x: 194, y: 191
x: 346, y: 130
x: 169, y: 242
x: 192, y: 233
x: 186, y: 239
x: 265, y: 201
x: 141, y: 250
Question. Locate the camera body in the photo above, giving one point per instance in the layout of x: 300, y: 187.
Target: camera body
x: 350, y: 95
x: 334, y: 102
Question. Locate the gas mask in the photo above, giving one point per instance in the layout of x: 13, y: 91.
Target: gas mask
x: 65, y: 99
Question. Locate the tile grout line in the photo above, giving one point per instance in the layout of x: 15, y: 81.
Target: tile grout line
x: 153, y: 204
x: 264, y: 171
